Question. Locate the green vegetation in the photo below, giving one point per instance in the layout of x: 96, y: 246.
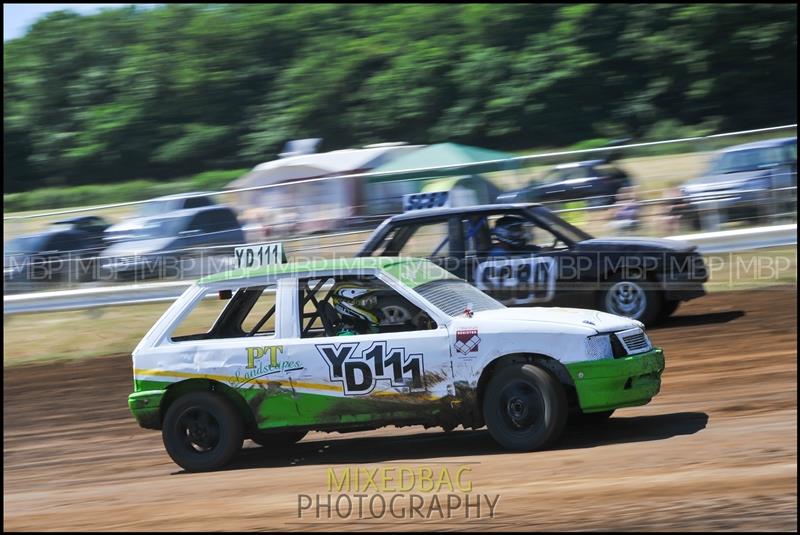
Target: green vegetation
x: 174, y: 90
x: 133, y: 190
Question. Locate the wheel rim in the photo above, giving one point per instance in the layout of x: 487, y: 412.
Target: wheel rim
x: 199, y: 430
x: 626, y: 299
x: 521, y: 406
x: 394, y: 314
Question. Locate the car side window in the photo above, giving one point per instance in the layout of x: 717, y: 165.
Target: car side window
x: 206, y: 222
x: 248, y: 312
x: 356, y: 304
x: 577, y: 172
x: 196, y: 202
x: 477, y: 235
x: 198, y: 324
x: 211, y: 221
x: 537, y: 238
x: 552, y: 176
x: 427, y: 241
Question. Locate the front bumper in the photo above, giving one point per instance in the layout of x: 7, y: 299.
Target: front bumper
x: 615, y: 383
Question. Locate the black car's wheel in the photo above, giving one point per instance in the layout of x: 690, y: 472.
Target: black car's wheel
x: 396, y: 311
x: 277, y: 440
x: 633, y: 297
x: 589, y: 418
x: 202, y: 431
x: 525, y: 407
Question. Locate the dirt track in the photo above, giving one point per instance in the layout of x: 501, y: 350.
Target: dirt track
x: 717, y: 449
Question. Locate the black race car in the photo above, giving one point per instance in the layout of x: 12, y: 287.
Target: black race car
x: 558, y: 265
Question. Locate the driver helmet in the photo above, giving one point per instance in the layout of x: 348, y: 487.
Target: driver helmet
x: 356, y: 303
x: 510, y: 230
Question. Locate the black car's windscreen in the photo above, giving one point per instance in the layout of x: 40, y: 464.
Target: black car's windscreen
x: 454, y: 296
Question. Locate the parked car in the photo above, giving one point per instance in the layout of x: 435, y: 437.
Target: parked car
x: 172, y: 244
x: 65, y: 252
x: 155, y: 207
x: 554, y: 263
x: 280, y: 356
x: 750, y: 181
x: 597, y: 181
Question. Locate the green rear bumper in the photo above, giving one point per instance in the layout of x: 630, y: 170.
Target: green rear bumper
x: 611, y: 384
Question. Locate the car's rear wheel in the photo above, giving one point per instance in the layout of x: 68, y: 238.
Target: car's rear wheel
x: 525, y: 407
x: 277, y: 440
x: 632, y: 297
x: 202, y: 431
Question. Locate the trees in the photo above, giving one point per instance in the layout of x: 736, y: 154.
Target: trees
x: 173, y: 90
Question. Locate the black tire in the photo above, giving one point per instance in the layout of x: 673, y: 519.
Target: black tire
x: 589, y: 418
x: 631, y: 296
x: 202, y: 431
x: 525, y: 407
x: 668, y: 308
x: 277, y: 440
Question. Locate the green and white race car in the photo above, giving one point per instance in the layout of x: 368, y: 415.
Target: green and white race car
x: 290, y: 348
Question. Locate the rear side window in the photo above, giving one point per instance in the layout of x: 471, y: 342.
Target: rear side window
x: 260, y: 320
x: 423, y: 241
x: 250, y: 312
x: 198, y: 324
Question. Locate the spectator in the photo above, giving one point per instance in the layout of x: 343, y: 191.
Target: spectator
x: 626, y: 214
x: 674, y: 208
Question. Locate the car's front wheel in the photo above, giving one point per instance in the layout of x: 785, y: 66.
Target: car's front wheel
x: 632, y: 297
x: 202, y: 431
x: 525, y: 407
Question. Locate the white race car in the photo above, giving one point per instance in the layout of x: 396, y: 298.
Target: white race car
x: 321, y: 346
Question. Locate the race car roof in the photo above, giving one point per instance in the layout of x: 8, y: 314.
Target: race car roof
x: 410, y: 271
x: 443, y: 212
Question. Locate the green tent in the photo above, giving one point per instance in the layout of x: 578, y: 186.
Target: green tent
x: 442, y: 154
x: 384, y: 193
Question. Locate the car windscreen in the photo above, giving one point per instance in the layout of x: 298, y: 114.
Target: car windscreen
x: 453, y: 296
x: 567, y: 173
x: 746, y: 160
x: 153, y: 208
